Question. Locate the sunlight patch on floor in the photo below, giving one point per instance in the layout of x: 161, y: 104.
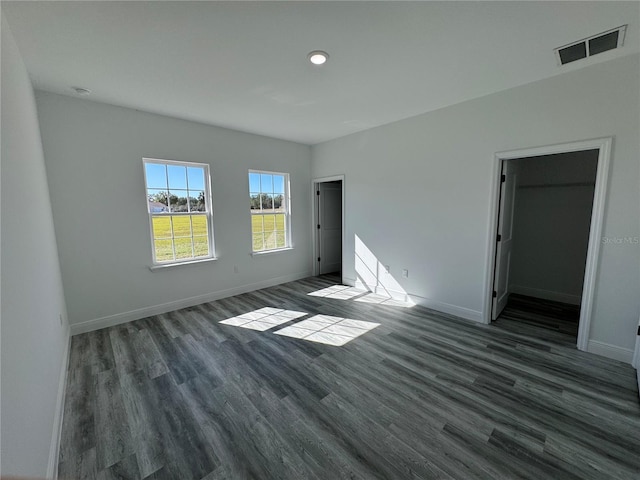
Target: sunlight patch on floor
x: 340, y: 292
x: 263, y: 319
x: 344, y: 292
x: 328, y: 330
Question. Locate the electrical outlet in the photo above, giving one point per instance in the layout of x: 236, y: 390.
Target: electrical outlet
x: 405, y: 273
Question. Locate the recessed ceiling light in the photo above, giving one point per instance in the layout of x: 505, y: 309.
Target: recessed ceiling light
x: 81, y: 91
x: 318, y: 57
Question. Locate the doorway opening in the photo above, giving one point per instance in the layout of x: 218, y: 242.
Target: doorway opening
x: 545, y: 236
x: 328, y: 226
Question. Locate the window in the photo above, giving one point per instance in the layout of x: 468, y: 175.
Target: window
x: 270, y: 210
x: 179, y: 206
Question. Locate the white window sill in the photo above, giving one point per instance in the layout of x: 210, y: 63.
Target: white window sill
x: 162, y: 266
x: 268, y: 252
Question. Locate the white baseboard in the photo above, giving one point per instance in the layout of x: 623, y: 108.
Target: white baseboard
x: 118, y: 318
x: 462, y: 312
x: 54, y: 449
x: 610, y: 351
x: 546, y: 294
x: 349, y: 281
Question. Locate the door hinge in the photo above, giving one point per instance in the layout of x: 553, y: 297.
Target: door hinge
x: 638, y: 329
x: 318, y: 258
x: 318, y: 227
x: 495, y: 294
x: 503, y: 178
x: 499, y: 237
x: 317, y: 192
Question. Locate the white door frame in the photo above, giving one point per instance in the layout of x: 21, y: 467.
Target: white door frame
x: 597, y: 216
x: 315, y: 220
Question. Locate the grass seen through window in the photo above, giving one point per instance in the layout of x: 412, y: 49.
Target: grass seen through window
x: 183, y: 226
x: 268, y: 231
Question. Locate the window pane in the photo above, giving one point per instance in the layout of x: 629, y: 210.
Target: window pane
x: 254, y: 182
x: 281, y: 239
x: 183, y: 248
x: 156, y: 174
x: 256, y: 224
x: 178, y: 201
x: 197, y: 201
x: 269, y: 223
x: 181, y: 225
x: 196, y: 178
x: 164, y: 250
x: 254, y: 201
x: 161, y: 227
x: 201, y: 246
x: 177, y: 177
x: 267, y: 201
x: 257, y: 242
x: 158, y: 200
x: 278, y: 201
x: 199, y: 224
x: 269, y: 240
x: 278, y: 184
x: 280, y: 223
x: 266, y: 183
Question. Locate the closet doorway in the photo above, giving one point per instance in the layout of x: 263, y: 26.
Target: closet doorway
x: 328, y: 225
x: 546, y: 227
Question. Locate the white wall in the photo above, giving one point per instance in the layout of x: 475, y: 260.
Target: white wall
x: 34, y: 342
x: 94, y: 157
x: 553, y: 204
x: 429, y: 178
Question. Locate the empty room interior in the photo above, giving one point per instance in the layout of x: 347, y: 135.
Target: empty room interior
x: 320, y: 240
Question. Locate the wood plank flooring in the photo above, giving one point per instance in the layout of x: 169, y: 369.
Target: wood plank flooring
x: 423, y: 395
x: 547, y: 314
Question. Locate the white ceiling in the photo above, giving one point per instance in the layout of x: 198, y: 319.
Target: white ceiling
x: 243, y: 65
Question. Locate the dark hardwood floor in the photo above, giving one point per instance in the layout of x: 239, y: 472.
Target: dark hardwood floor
x: 421, y: 395
x: 543, y: 314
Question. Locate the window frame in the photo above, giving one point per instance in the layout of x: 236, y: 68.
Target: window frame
x: 287, y: 214
x: 208, y: 213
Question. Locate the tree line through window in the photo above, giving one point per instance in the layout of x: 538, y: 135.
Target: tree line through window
x: 162, y: 200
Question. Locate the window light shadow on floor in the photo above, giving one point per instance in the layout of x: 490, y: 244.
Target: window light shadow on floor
x: 263, y: 319
x: 339, y: 292
x: 319, y: 328
x: 328, y: 330
x: 344, y: 292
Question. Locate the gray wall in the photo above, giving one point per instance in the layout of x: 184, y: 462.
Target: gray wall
x: 94, y: 157
x: 34, y: 340
x: 434, y: 172
x: 553, y: 204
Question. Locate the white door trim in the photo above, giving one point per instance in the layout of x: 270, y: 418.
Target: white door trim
x: 595, y: 234
x: 636, y: 354
x: 315, y: 220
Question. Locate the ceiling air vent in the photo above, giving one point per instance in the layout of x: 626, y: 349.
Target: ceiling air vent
x: 591, y: 46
